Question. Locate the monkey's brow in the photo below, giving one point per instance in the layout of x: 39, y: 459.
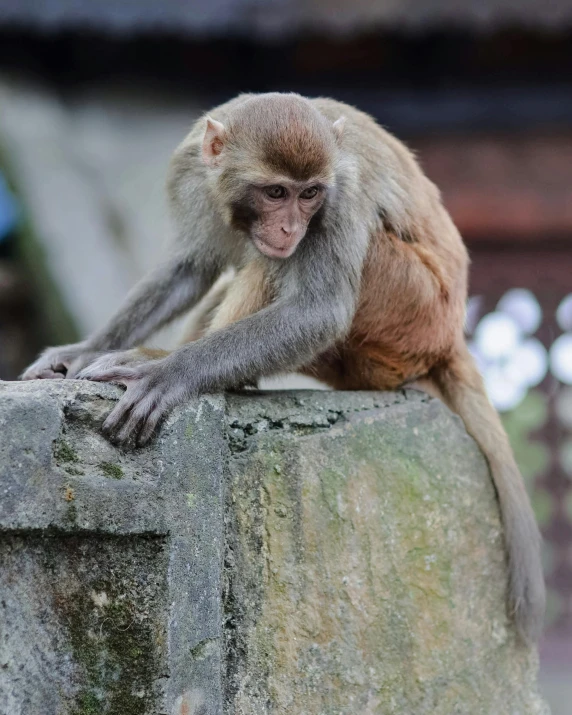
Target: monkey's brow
x: 266, y: 178
x: 291, y: 183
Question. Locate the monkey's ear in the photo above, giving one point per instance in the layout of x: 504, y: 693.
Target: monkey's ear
x: 213, y: 142
x: 338, y: 127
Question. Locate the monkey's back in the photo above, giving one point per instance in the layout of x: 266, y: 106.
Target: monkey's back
x: 411, y: 307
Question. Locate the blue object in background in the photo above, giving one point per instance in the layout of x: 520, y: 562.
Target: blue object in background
x: 9, y: 211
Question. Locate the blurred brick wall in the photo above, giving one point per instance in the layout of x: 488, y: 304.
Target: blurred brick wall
x: 505, y: 186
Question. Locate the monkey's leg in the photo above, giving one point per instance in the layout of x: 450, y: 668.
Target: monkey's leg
x: 247, y: 293
x: 429, y: 386
x: 363, y: 367
x: 329, y: 368
x: 200, y: 317
x: 462, y: 389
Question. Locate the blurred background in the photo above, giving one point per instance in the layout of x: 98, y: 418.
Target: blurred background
x: 94, y: 96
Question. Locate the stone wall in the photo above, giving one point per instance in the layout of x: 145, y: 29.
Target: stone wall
x: 309, y: 553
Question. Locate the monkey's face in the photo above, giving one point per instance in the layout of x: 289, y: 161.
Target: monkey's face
x: 281, y: 215
x: 272, y: 167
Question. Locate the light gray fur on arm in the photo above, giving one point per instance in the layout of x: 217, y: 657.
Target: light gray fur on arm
x: 169, y: 290
x: 173, y: 287
x: 165, y: 293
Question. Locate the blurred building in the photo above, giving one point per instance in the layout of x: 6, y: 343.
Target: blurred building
x: 95, y: 96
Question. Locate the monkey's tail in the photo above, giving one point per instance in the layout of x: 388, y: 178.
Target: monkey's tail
x: 463, y: 391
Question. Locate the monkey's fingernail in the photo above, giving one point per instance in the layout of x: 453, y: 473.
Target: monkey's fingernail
x: 111, y: 434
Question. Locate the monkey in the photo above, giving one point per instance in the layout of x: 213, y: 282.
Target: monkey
x: 347, y: 267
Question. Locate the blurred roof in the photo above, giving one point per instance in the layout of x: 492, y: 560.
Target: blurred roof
x: 263, y: 18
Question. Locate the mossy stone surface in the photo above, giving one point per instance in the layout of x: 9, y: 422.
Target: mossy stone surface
x: 369, y: 570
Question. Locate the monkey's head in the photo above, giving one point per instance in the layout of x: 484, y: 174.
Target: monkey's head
x: 273, y: 164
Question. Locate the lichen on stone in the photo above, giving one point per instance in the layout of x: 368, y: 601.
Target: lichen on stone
x: 64, y: 452
x: 113, y: 471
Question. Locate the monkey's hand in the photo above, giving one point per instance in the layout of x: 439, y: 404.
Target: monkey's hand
x: 154, y: 387
x: 55, y: 363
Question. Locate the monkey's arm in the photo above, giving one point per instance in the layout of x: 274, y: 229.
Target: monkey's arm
x: 280, y: 337
x: 170, y: 289
x: 314, y: 310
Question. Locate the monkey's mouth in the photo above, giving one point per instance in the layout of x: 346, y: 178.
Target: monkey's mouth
x: 274, y: 251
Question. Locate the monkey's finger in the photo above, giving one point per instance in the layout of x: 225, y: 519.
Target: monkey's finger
x: 119, y: 413
x: 134, y: 422
x: 122, y: 375
x: 76, y: 366
x: 150, y: 426
x: 50, y: 375
x: 43, y: 372
x: 31, y: 373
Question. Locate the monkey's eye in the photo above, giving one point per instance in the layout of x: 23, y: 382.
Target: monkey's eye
x: 275, y: 192
x: 309, y: 193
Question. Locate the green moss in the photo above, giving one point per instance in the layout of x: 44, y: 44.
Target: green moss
x: 113, y: 471
x: 333, y: 482
x: 191, y: 500
x: 87, y: 704
x: 112, y: 645
x: 107, y: 600
x: 71, y: 514
x: 63, y: 452
x: 202, y: 649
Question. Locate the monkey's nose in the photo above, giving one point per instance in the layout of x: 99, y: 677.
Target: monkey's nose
x: 287, y: 231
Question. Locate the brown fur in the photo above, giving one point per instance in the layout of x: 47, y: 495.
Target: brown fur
x: 302, y: 149
x: 152, y: 353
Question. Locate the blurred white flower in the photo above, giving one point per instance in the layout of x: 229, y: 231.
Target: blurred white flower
x: 561, y: 358
x: 505, y: 391
x: 496, y: 336
x: 523, y: 308
x: 510, y: 361
x: 529, y: 362
x: 564, y: 313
